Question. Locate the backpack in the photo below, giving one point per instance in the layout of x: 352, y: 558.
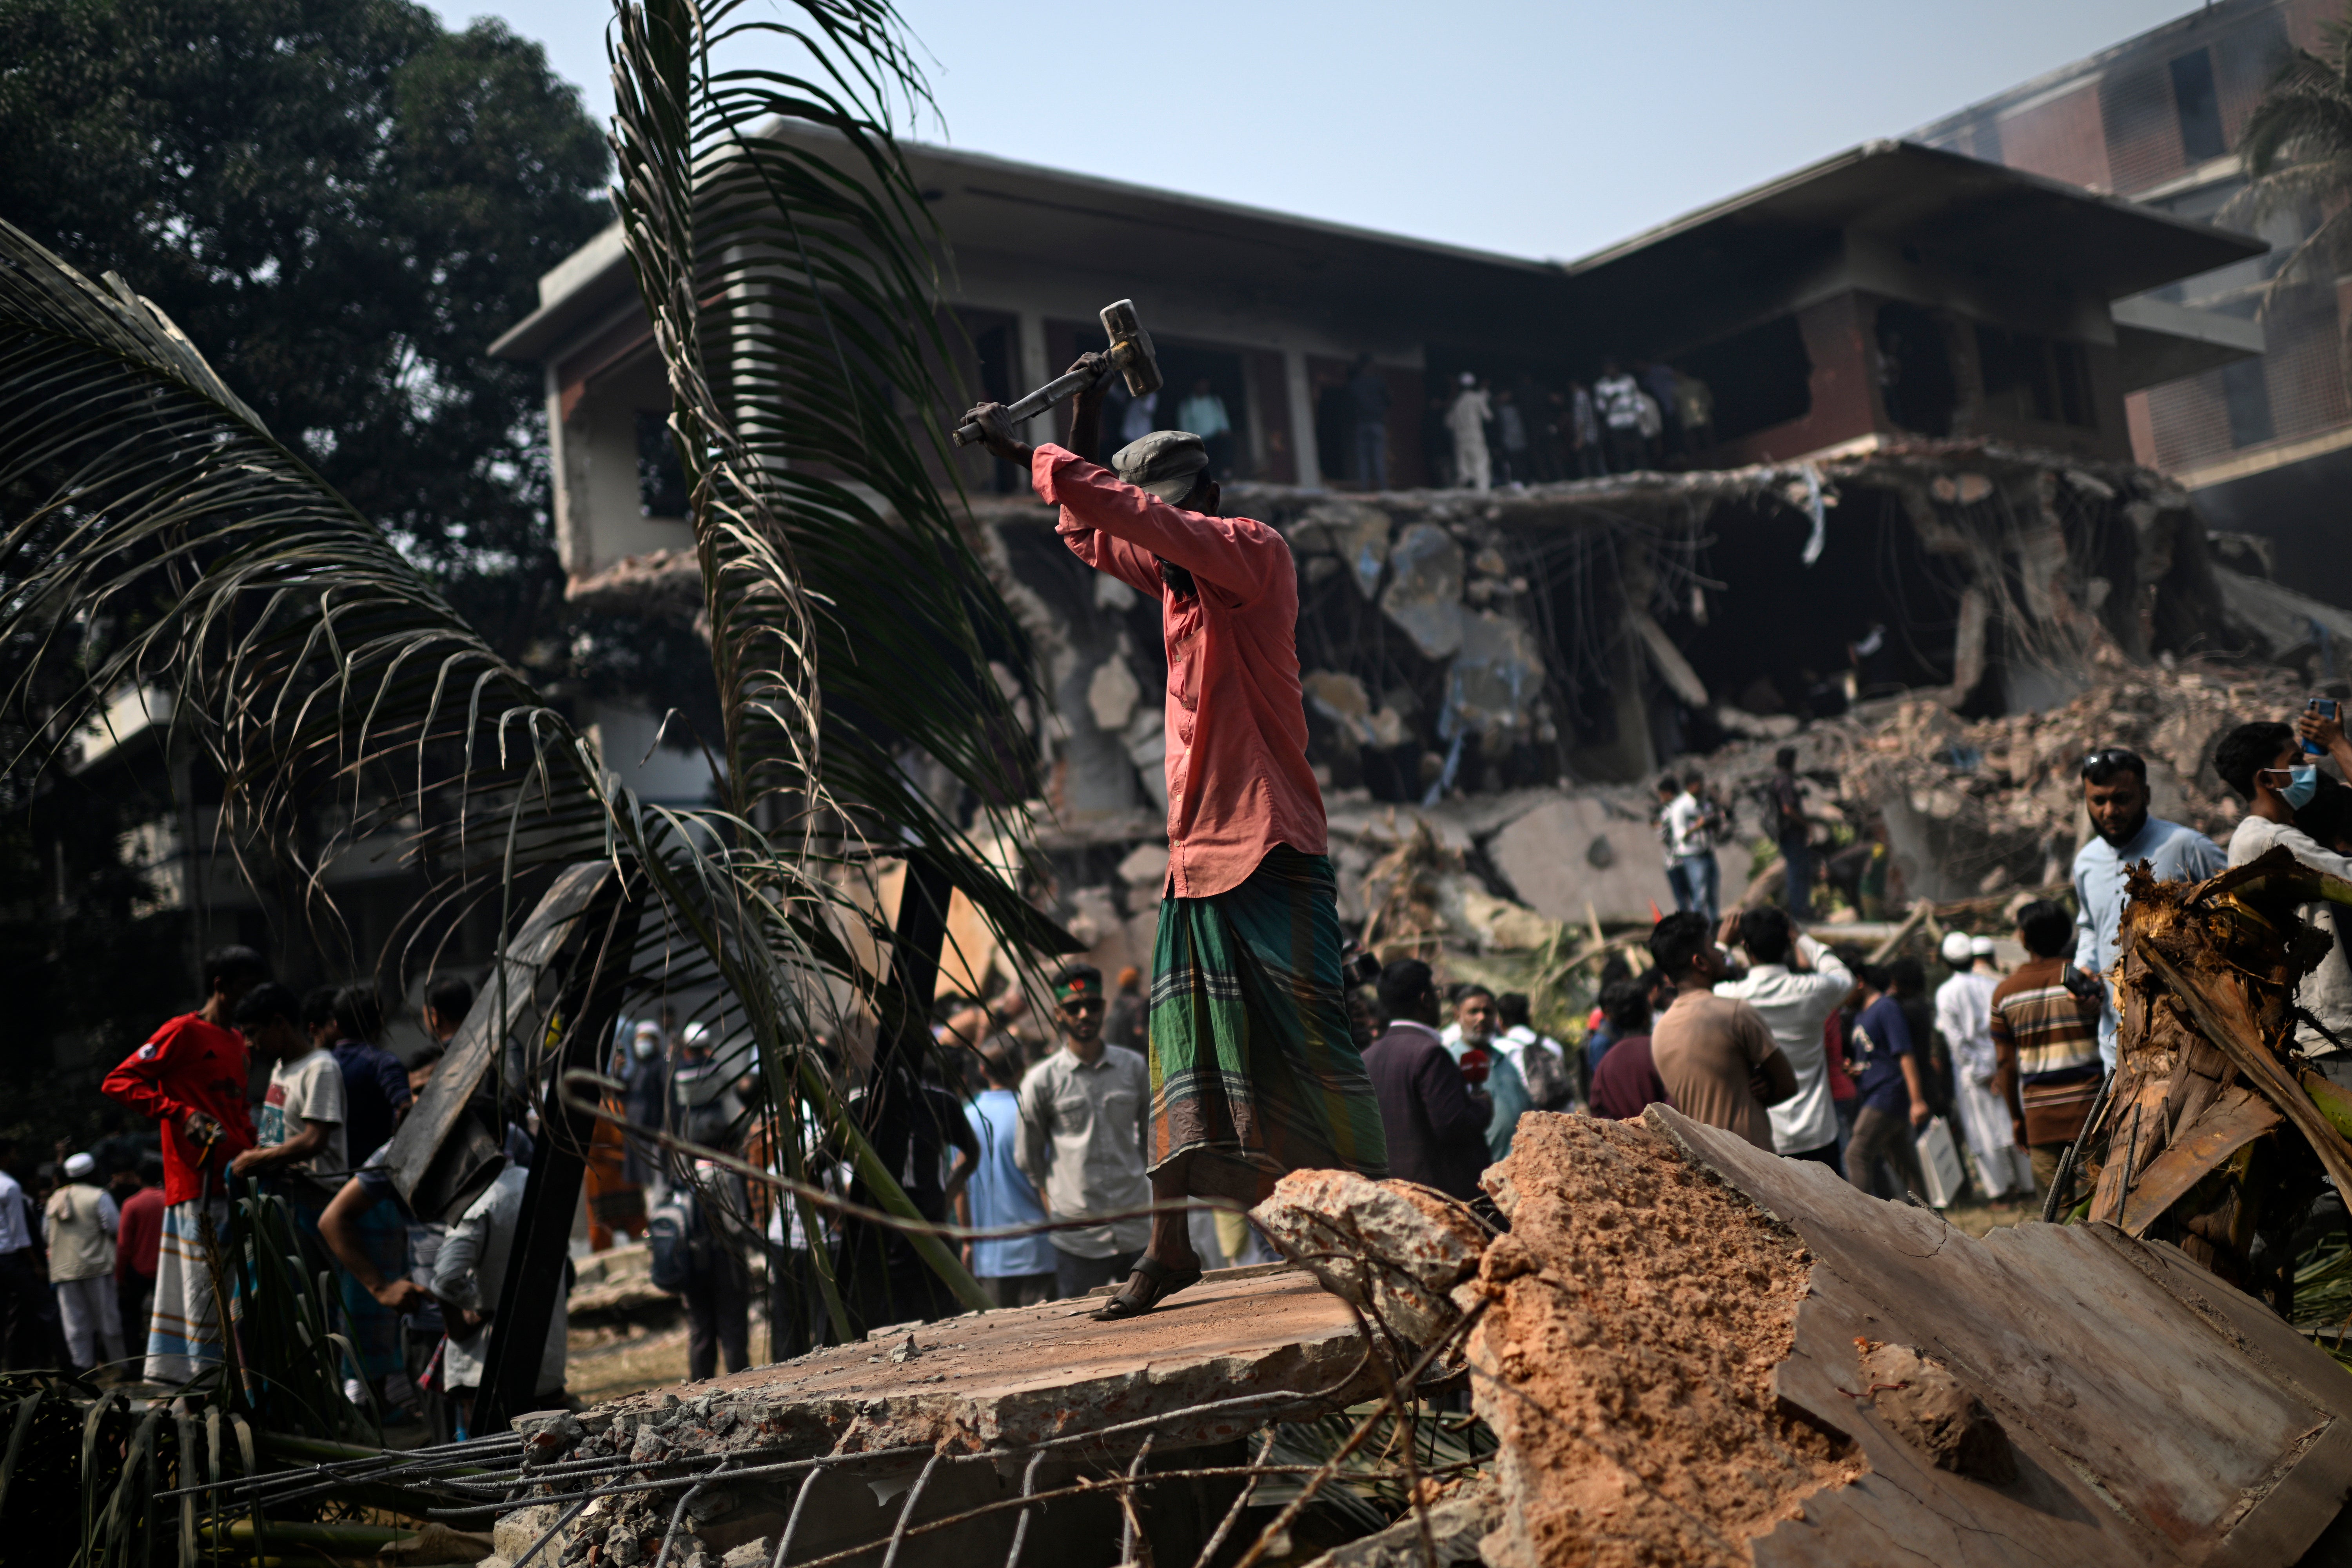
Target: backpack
x: 674, y: 1236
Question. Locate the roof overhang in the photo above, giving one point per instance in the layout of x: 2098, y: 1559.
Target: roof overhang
x: 2158, y: 341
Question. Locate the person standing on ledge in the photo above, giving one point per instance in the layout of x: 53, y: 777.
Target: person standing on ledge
x: 1255, y: 1071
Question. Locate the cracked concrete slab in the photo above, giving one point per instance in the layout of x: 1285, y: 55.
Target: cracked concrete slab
x: 1005, y: 1379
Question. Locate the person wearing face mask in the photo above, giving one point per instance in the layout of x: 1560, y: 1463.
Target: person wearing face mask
x: 647, y: 1103
x: 2267, y: 765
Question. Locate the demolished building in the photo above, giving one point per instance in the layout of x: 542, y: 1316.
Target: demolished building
x: 1919, y: 488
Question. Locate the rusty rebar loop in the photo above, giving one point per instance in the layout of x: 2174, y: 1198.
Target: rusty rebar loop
x: 907, y: 1513
x: 1276, y: 1396
x: 792, y: 1519
x: 1130, y: 1525
x: 678, y: 1513
x: 1330, y: 1466
x: 1241, y: 1501
x: 1029, y: 1489
x: 375, y: 1467
x: 1084, y: 1486
x: 1404, y: 1426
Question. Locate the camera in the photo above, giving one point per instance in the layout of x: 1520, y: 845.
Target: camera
x: 1357, y: 965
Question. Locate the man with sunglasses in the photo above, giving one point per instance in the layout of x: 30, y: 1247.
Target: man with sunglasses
x: 1083, y: 1114
x: 2114, y: 794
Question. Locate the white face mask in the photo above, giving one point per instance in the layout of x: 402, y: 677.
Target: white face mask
x: 643, y: 1049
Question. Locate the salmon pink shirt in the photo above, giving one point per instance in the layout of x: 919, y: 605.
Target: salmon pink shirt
x: 1238, y: 781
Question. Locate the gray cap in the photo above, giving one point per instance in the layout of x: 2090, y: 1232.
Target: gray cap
x: 1167, y: 463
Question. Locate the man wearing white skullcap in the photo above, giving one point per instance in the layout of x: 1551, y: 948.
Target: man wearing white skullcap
x: 79, y: 1225
x: 1963, y: 1015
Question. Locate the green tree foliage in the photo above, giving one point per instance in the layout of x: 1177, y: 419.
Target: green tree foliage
x: 345, y: 204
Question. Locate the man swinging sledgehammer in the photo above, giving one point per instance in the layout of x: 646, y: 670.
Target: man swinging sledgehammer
x: 1253, y: 1069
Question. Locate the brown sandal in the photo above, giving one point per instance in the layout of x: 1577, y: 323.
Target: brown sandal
x: 1159, y: 1283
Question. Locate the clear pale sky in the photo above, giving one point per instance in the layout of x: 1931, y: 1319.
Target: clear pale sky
x: 1542, y: 127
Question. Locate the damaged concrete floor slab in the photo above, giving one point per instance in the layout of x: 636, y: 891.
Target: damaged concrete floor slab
x: 1045, y: 1383
x: 1690, y: 1351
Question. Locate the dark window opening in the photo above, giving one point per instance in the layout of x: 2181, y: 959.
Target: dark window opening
x: 994, y: 349
x: 661, y: 478
x: 2199, y: 106
x: 2028, y: 376
x: 1760, y: 377
x: 2246, y: 394
x: 1914, y: 370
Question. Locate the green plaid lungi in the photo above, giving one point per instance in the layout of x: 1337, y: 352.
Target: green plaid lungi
x: 1255, y: 1071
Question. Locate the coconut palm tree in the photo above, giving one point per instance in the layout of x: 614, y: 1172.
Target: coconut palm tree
x: 2298, y: 152
x: 154, y: 534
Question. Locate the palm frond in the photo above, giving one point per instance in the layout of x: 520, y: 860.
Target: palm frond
x: 2306, y: 112
x: 155, y: 534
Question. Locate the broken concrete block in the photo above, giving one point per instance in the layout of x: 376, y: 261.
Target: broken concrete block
x: 1340, y: 698
x: 1146, y: 865
x: 1424, y: 591
x: 1111, y: 695
x: 1355, y: 534
x: 1496, y: 677
x: 1576, y: 852
x: 1394, y: 1249
x: 1501, y: 925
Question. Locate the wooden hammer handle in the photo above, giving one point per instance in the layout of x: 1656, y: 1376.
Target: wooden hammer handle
x: 1035, y: 402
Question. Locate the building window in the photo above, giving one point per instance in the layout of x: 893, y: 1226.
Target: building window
x: 2028, y: 376
x: 661, y: 478
x: 2199, y: 106
x: 2246, y: 395
x: 1914, y: 370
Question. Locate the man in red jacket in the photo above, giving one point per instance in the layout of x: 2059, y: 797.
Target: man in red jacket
x: 1254, y: 1069
x: 191, y: 1078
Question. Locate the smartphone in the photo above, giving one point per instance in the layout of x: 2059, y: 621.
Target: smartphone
x: 2326, y: 707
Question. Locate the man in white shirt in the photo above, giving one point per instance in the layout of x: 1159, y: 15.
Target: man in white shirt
x: 2114, y: 795
x: 1964, y: 1018
x: 79, y: 1224
x: 1795, y: 984
x: 1689, y: 823
x: 2267, y: 765
x: 1466, y: 421
x: 1083, y: 1113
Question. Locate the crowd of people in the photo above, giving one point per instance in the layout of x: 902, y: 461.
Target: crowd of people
x: 107, y: 1267
x: 1632, y: 417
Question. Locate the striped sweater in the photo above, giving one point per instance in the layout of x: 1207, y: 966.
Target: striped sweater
x: 2051, y: 1030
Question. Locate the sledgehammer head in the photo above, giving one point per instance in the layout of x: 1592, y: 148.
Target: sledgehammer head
x: 1130, y: 347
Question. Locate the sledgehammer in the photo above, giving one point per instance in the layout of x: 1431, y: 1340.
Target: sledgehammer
x: 1131, y: 354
